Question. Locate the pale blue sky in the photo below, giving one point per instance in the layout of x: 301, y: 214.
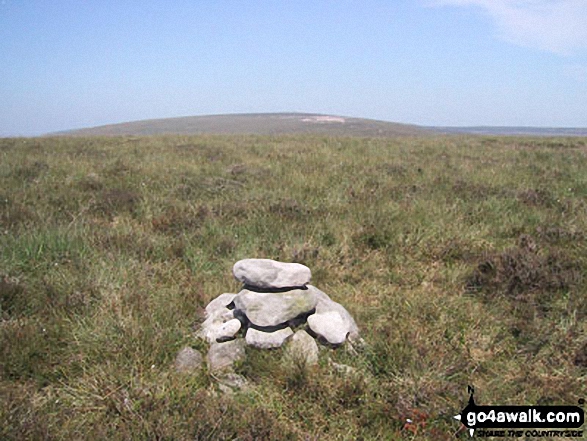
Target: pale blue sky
x: 68, y: 64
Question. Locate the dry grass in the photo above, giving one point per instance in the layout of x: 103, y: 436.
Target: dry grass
x: 462, y: 260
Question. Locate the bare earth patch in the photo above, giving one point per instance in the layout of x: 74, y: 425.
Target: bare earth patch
x: 324, y: 119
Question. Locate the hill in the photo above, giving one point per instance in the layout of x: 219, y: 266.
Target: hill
x: 258, y: 124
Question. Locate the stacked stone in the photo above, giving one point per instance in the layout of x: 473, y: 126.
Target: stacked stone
x: 276, y: 299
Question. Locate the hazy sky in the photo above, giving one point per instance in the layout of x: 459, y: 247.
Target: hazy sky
x: 76, y: 63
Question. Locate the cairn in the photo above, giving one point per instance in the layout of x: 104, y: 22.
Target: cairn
x: 275, y: 301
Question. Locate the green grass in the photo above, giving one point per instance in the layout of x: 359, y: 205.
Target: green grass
x: 462, y: 259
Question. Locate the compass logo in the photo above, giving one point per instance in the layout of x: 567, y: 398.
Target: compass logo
x: 508, y: 418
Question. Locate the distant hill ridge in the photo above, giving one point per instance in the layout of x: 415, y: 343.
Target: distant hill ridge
x: 514, y: 131
x: 257, y: 123
x: 302, y: 123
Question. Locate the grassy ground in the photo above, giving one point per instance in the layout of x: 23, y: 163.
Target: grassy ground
x: 463, y: 260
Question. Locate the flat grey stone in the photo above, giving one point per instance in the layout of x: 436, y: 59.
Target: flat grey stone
x: 303, y: 347
x: 330, y: 326
x: 188, y: 360
x: 267, y: 340
x: 269, y: 274
x: 274, y: 308
x: 219, y: 303
x: 222, y: 356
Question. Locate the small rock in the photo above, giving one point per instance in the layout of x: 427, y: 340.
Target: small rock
x: 343, y: 369
x: 212, y: 328
x: 228, y: 330
x: 330, y: 326
x: 229, y: 382
x: 219, y: 303
x: 303, y: 347
x: 274, y: 308
x: 267, y: 273
x: 188, y: 360
x: 209, y: 329
x: 224, y: 355
x: 326, y: 304
x: 267, y: 340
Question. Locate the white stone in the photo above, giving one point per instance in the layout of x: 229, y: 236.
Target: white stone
x: 274, y: 308
x: 210, y: 328
x: 267, y: 273
x: 330, y: 326
x: 267, y: 340
x: 227, y: 314
x: 326, y: 304
x: 221, y: 327
x: 223, y: 355
x: 219, y: 303
x: 228, y: 330
x: 302, y: 347
x: 320, y: 295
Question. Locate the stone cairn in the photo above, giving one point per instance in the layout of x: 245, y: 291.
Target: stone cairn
x: 276, y: 299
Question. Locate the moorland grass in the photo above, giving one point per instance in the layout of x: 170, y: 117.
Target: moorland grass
x: 463, y: 260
